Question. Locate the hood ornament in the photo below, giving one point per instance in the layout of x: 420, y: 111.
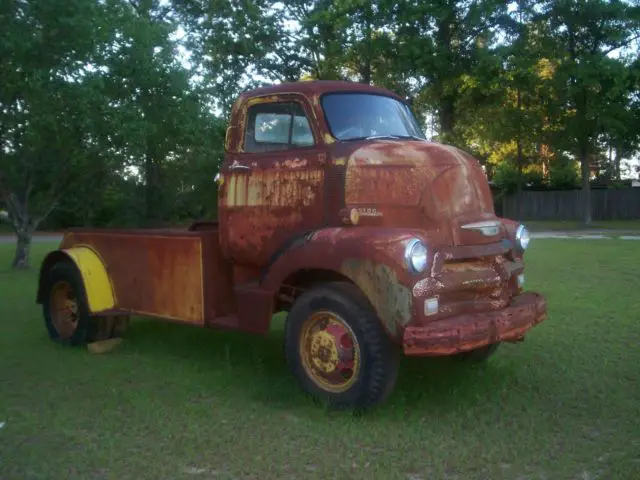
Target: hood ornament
x: 488, y: 228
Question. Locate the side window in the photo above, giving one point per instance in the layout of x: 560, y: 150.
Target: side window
x: 301, y: 133
x: 276, y: 126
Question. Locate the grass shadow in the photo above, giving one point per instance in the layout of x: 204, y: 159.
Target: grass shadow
x: 255, y: 367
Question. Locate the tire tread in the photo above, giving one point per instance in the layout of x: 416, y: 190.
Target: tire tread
x: 380, y: 357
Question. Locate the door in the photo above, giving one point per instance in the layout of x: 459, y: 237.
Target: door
x: 273, y: 186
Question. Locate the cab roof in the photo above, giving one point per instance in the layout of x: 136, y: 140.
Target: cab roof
x: 318, y: 87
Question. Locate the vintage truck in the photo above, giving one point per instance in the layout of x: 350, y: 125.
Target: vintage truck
x: 333, y: 208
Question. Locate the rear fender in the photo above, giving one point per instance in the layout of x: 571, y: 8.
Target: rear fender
x: 372, y: 258
x: 97, y: 284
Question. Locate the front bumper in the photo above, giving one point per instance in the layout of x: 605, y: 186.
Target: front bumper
x: 470, y: 331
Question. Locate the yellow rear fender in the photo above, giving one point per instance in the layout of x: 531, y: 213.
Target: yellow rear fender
x: 97, y: 284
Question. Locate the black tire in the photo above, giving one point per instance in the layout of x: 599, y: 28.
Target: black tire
x: 378, y: 357
x: 478, y: 355
x: 86, y: 329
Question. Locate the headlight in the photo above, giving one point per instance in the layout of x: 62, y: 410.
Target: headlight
x: 522, y: 238
x: 415, y: 254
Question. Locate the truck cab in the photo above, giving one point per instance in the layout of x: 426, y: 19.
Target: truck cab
x: 335, y: 154
x: 333, y: 208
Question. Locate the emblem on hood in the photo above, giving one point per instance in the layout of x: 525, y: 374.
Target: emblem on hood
x: 488, y: 228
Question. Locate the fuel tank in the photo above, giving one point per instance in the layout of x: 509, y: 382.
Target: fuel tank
x: 418, y: 184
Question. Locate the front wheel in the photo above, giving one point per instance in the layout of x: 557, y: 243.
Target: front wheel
x: 337, y: 348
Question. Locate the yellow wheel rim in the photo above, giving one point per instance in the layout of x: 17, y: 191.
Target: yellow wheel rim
x: 64, y: 309
x: 330, y: 352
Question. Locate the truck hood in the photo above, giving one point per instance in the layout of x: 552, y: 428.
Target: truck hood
x: 434, y: 187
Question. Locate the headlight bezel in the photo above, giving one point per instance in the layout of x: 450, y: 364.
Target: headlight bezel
x: 410, y: 256
x: 523, y: 238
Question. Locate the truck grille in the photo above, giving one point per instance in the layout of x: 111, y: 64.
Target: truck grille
x: 476, y: 285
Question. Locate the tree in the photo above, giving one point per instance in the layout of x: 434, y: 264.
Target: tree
x: 151, y: 92
x: 47, y: 101
x: 507, y: 108
x: 443, y: 42
x: 583, y: 35
x: 238, y: 44
x: 91, y: 89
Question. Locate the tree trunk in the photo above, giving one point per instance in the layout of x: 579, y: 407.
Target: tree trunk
x: 154, y: 205
x: 584, y: 147
x: 23, y: 224
x: 446, y: 91
x: 21, y: 259
x: 586, y: 187
x: 617, y: 158
x: 447, y: 118
x: 366, y: 74
x: 545, y: 154
x: 519, y: 159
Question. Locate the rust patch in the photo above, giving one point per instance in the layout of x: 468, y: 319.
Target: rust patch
x: 262, y: 99
x: 295, y: 163
x: 466, y: 281
x: 274, y: 188
x: 394, y: 186
x: 219, y: 298
x: 227, y: 137
x: 418, y: 184
x: 391, y: 299
x: 254, y: 229
x: 328, y: 139
x: 146, y: 269
x: 468, y: 332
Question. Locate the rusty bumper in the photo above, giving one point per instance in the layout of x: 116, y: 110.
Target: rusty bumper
x: 469, y: 331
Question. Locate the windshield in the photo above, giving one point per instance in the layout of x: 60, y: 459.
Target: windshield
x: 362, y: 115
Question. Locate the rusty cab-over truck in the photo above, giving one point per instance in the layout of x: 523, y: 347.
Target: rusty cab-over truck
x: 335, y: 209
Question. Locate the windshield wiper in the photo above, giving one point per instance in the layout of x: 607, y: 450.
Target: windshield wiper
x: 414, y: 137
x: 396, y: 137
x: 373, y: 137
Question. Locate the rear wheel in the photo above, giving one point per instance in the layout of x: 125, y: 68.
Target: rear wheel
x: 66, y: 312
x: 337, y: 348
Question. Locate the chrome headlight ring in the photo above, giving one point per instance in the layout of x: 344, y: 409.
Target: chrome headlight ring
x: 522, y: 238
x: 416, y: 256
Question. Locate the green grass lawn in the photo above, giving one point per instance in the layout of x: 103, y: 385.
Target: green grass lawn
x: 176, y: 402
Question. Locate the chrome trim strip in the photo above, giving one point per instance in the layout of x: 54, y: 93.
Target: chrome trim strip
x: 488, y: 228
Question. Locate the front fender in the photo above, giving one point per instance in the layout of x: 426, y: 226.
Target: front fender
x: 97, y: 284
x: 372, y: 258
